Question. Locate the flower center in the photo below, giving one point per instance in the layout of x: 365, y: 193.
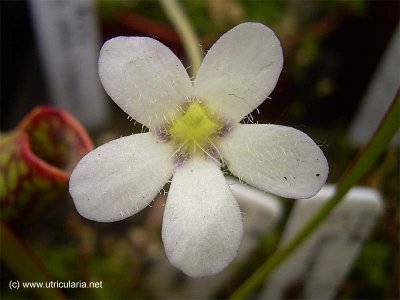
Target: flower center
x: 193, y: 130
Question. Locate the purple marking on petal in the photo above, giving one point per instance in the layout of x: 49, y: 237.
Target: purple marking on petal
x: 226, y: 127
x: 180, y: 159
x: 162, y: 134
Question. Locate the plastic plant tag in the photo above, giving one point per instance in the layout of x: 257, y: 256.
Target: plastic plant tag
x: 260, y: 213
x: 383, y: 87
x: 69, y: 41
x: 320, y: 265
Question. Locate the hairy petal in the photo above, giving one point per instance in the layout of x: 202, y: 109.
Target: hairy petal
x: 277, y: 159
x: 144, y: 78
x: 120, y: 178
x: 240, y: 70
x: 202, y: 225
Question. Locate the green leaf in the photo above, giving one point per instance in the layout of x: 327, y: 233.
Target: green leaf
x: 358, y: 169
x: 20, y: 260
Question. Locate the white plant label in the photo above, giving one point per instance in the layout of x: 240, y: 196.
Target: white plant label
x: 319, y: 266
x: 379, y: 95
x: 260, y: 213
x: 67, y: 34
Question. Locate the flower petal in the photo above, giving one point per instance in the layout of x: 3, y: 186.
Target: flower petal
x: 120, y: 178
x: 144, y: 78
x: 277, y: 159
x: 240, y: 70
x: 202, y: 226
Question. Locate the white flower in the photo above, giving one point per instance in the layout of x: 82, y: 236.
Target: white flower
x: 194, y: 126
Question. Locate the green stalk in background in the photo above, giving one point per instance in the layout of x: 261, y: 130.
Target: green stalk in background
x: 359, y: 168
x: 186, y: 33
x: 19, y: 259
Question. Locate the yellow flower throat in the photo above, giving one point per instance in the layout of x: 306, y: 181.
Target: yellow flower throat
x: 193, y: 130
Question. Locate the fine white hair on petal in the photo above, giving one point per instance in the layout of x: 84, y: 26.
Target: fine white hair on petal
x: 277, y: 159
x: 240, y: 70
x: 144, y: 78
x: 202, y: 225
x: 120, y: 178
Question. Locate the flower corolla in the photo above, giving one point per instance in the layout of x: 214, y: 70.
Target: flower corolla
x: 194, y: 130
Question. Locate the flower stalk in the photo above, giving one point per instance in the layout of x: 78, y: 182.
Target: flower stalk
x: 25, y: 264
x: 362, y: 164
x: 186, y: 32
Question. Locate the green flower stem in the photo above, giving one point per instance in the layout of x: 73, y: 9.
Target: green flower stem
x: 364, y: 161
x: 24, y: 263
x: 185, y: 31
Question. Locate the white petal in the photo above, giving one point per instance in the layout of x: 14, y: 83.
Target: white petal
x: 202, y: 226
x: 120, y: 178
x: 240, y: 70
x: 144, y: 78
x: 277, y: 159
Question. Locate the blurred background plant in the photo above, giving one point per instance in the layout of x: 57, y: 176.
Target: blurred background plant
x: 332, y: 50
